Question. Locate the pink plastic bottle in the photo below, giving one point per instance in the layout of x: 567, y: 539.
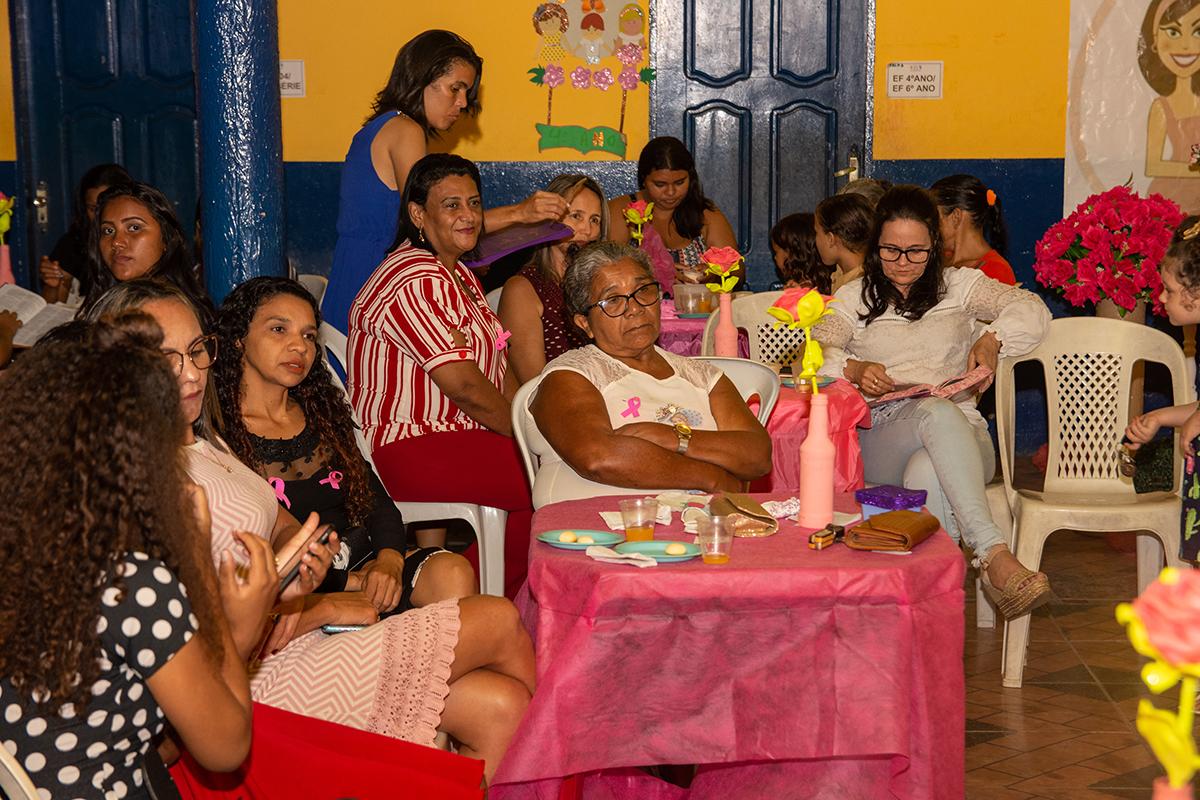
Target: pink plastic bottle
x: 816, y: 467
x: 725, y: 337
x: 6, y: 273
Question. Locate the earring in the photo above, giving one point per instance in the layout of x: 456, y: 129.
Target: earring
x: 420, y: 235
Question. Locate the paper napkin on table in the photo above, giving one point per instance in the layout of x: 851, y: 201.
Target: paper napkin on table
x: 691, y: 519
x: 781, y: 509
x: 681, y: 500
x: 615, y: 523
x: 610, y: 556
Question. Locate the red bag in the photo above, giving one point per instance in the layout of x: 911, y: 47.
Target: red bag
x: 293, y: 756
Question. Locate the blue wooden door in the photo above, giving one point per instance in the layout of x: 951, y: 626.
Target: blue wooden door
x: 103, y: 81
x: 770, y: 97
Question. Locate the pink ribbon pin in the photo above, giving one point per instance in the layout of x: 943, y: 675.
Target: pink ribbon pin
x: 333, y: 480
x: 502, y: 339
x: 632, y: 409
x: 277, y: 484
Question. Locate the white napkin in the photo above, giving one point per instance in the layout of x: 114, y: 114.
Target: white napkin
x: 691, y: 519
x: 681, y: 500
x: 610, y: 556
x: 615, y: 523
x: 790, y: 508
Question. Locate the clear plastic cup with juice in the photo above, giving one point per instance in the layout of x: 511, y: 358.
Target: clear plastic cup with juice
x: 639, y: 516
x: 715, y: 539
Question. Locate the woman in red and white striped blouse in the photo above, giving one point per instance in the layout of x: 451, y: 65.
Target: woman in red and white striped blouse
x: 428, y: 376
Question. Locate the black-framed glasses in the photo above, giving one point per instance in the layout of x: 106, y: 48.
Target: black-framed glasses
x: 646, y: 295
x: 202, y: 353
x: 915, y: 255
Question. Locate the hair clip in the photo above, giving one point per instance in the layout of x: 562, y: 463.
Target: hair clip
x: 1192, y: 232
x: 991, y: 197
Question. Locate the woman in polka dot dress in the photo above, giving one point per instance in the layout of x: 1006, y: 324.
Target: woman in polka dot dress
x: 112, y: 624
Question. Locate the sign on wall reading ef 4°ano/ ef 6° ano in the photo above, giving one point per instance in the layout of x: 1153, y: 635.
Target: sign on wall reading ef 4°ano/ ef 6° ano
x: 914, y: 80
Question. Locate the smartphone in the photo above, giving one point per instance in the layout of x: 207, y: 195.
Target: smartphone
x: 291, y: 568
x: 332, y: 629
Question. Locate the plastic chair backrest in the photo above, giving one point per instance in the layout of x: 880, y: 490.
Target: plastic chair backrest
x: 768, y: 344
x: 14, y: 782
x: 520, y: 418
x: 316, y: 285
x: 493, y: 299
x: 1088, y: 365
x: 334, y: 342
x: 750, y: 378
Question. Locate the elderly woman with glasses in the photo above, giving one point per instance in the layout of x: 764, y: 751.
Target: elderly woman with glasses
x: 906, y: 321
x: 623, y: 416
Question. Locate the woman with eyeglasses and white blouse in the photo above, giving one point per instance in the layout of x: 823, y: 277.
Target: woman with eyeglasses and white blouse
x: 623, y: 416
x: 907, y: 321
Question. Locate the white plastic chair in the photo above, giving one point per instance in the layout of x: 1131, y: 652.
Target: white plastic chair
x: 14, y: 782
x: 520, y: 417
x: 316, y: 285
x: 750, y: 378
x: 487, y: 522
x: 1088, y: 363
x: 768, y: 344
x: 493, y: 299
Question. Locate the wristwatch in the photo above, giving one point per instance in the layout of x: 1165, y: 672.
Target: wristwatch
x: 684, y: 432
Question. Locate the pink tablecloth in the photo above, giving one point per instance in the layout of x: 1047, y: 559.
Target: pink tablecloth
x: 836, y: 671
x: 788, y: 425
x: 685, y: 336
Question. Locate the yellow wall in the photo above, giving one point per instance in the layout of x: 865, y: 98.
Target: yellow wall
x: 8, y: 137
x: 1005, y: 79
x: 347, y: 57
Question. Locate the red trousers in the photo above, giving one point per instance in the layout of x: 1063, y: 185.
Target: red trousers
x: 479, y: 467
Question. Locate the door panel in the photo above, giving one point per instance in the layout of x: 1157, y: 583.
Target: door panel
x: 104, y: 81
x: 770, y: 97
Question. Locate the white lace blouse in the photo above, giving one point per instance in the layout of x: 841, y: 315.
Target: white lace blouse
x: 629, y: 396
x: 934, y: 347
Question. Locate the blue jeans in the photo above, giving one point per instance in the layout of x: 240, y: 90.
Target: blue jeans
x: 929, y: 444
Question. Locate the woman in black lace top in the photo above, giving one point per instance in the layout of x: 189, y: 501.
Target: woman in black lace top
x: 284, y: 417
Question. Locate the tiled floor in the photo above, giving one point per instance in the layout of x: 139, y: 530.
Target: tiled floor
x: 1069, y: 731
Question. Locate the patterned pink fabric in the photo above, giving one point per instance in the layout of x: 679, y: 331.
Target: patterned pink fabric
x: 837, y: 671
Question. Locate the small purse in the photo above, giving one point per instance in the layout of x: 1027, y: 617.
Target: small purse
x: 896, y: 531
x: 748, y: 517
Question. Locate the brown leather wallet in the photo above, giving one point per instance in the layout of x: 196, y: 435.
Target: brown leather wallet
x: 893, y: 530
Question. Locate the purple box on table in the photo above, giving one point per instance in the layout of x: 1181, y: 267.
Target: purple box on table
x: 877, y: 499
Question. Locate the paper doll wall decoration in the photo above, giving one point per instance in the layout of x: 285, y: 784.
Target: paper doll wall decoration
x: 593, y: 43
x: 1169, y: 58
x: 550, y: 22
x: 631, y: 26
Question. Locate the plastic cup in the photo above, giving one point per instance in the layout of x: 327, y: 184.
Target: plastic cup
x: 639, y: 516
x: 715, y: 540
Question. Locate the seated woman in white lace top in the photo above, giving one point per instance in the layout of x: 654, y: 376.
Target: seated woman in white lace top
x: 622, y: 416
x: 907, y: 320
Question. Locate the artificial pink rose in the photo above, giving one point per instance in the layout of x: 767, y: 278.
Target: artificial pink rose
x: 1169, y: 612
x: 1076, y: 294
x: 724, y: 257
x: 581, y: 77
x: 628, y: 79
x: 554, y: 76
x: 638, y: 206
x: 1095, y: 238
x: 602, y: 79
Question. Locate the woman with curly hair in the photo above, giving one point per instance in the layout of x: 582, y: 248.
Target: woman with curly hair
x: 114, y: 622
x: 463, y: 667
x: 283, y: 416
x: 797, y: 262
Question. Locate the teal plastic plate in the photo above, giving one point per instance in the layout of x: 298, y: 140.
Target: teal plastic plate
x: 657, y: 549
x: 693, y: 315
x: 603, y: 538
x: 790, y: 381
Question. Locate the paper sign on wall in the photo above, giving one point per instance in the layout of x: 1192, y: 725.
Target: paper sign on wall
x: 915, y: 80
x: 291, y: 78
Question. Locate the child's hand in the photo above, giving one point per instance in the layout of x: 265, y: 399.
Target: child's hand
x: 1142, y: 429
x: 1188, y: 432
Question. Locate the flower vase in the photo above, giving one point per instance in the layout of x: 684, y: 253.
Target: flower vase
x: 725, y: 337
x: 6, y: 273
x: 816, y: 467
x: 1109, y: 310
x: 1163, y: 790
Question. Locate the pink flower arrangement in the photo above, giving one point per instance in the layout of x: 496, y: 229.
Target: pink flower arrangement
x: 581, y: 78
x: 554, y: 75
x: 628, y: 79
x: 602, y: 79
x: 1109, y: 247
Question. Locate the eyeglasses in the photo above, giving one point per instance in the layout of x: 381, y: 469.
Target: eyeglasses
x: 915, y: 255
x: 646, y: 295
x: 202, y: 353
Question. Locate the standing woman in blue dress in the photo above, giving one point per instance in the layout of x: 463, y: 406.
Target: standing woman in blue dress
x: 434, y: 81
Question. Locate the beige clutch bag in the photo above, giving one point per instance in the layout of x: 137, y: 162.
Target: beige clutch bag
x: 749, y: 518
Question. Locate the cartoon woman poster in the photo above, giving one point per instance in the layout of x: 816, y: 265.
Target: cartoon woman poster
x: 1169, y: 58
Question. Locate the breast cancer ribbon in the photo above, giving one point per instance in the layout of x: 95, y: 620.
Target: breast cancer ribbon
x: 502, y: 339
x: 277, y: 484
x: 333, y: 480
x: 632, y: 409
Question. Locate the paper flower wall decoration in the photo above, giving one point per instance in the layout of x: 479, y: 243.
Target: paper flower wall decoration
x: 1161, y: 625
x: 6, y: 210
x: 637, y: 214
x: 722, y: 262
x: 810, y: 307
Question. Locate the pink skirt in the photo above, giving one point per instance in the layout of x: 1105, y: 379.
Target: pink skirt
x: 390, y: 678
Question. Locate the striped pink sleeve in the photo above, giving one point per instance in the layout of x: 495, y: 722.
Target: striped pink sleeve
x: 423, y: 317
